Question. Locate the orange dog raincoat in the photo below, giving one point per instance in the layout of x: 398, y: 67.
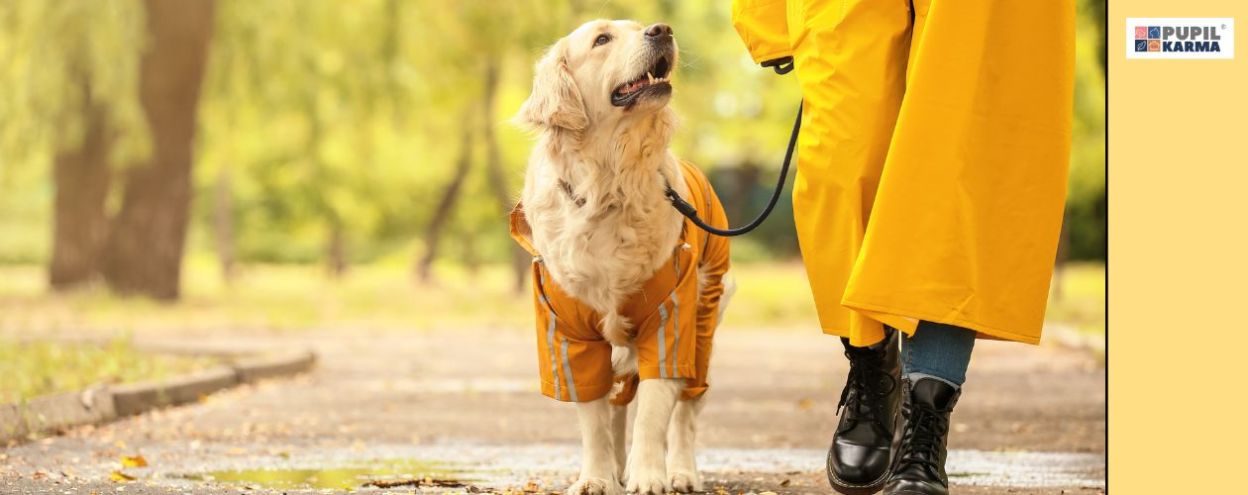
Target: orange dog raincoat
x: 673, y: 323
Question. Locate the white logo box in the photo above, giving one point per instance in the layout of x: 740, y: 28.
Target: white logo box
x: 1223, y: 28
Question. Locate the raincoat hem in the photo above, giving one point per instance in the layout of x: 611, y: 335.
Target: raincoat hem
x: 691, y: 393
x: 584, y: 393
x: 650, y: 372
x: 985, y: 331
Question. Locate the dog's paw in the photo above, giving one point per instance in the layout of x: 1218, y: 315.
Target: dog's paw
x: 685, y: 482
x: 644, y: 481
x: 594, y: 486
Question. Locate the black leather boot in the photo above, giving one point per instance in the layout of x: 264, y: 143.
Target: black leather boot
x: 859, y: 458
x: 919, y: 457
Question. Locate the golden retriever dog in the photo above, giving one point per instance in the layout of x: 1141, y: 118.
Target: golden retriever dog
x: 594, y: 214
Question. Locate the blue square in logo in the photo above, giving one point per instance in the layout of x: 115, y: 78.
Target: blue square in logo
x: 1141, y: 45
x: 1154, y: 32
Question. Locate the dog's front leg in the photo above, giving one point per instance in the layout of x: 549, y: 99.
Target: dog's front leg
x: 597, y: 456
x: 681, y: 466
x: 647, y: 472
x: 619, y: 426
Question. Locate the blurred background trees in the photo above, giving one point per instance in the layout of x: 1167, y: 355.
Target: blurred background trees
x: 137, y: 133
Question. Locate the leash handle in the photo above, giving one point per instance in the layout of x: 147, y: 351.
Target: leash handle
x: 691, y: 213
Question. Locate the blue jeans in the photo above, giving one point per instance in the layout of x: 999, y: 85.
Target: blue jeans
x: 937, y: 349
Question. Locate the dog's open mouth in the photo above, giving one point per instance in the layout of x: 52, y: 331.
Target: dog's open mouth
x: 654, y: 81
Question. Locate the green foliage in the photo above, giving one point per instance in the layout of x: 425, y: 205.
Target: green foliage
x: 55, y: 57
x: 1087, y: 204
x: 319, y: 116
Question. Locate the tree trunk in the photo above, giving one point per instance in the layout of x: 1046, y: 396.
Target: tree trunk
x: 468, y: 249
x: 336, y: 250
x: 446, y: 206
x: 223, y: 223
x: 746, y: 179
x: 145, y: 245
x: 81, y: 176
x: 496, y: 172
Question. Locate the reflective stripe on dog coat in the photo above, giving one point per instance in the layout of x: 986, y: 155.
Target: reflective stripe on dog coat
x: 672, y: 323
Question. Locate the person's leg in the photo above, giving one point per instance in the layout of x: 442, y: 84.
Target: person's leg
x: 937, y: 350
x: 934, y: 362
x: 858, y: 460
x: 851, y: 68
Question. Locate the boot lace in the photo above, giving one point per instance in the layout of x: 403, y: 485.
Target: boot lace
x: 921, y: 440
x: 865, y: 393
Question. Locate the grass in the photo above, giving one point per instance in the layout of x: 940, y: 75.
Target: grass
x: 31, y: 369
x: 385, y: 296
x: 1078, y: 298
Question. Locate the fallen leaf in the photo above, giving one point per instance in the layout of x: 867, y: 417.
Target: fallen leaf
x: 133, y: 461
x: 426, y: 482
x: 120, y: 476
x: 785, y: 482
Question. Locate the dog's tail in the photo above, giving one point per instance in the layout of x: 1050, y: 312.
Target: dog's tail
x: 615, y: 329
x: 624, y: 359
x: 730, y: 289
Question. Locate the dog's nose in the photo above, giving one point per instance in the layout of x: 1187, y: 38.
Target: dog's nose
x: 659, y: 30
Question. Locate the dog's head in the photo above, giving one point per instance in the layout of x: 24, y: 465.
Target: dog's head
x: 602, y: 72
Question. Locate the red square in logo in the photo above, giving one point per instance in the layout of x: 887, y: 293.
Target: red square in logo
x: 1154, y: 45
x: 1141, y: 32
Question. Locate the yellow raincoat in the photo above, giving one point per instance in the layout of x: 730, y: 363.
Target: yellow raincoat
x: 932, y: 159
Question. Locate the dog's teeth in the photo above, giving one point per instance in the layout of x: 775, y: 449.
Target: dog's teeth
x: 650, y: 77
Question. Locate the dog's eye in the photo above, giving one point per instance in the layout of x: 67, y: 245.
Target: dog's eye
x: 602, y: 39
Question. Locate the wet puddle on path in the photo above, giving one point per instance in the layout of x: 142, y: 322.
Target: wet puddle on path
x: 385, y: 473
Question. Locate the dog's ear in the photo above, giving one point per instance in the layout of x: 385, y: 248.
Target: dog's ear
x: 555, y: 101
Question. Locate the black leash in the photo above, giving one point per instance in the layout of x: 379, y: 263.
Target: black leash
x: 691, y: 213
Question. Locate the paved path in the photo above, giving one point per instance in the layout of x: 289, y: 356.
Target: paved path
x: 464, y: 405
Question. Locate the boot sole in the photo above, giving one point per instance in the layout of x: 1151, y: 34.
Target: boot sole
x: 847, y: 488
x: 852, y: 489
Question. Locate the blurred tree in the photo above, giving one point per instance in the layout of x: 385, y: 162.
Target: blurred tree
x: 478, y: 38
x: 143, y: 254
x: 82, y: 177
x: 70, y: 75
x: 446, y: 204
x: 340, y: 133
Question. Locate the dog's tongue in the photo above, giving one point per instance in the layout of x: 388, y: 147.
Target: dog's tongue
x: 634, y: 86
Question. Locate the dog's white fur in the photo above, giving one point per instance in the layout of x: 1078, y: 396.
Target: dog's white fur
x: 601, y: 251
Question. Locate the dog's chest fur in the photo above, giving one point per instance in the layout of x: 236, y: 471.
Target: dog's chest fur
x: 603, y: 250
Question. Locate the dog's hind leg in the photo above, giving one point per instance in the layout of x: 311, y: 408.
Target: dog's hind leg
x: 647, y: 471
x: 597, y: 456
x: 681, y: 435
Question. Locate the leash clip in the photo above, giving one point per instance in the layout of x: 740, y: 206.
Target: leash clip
x: 679, y: 203
x: 782, y: 66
